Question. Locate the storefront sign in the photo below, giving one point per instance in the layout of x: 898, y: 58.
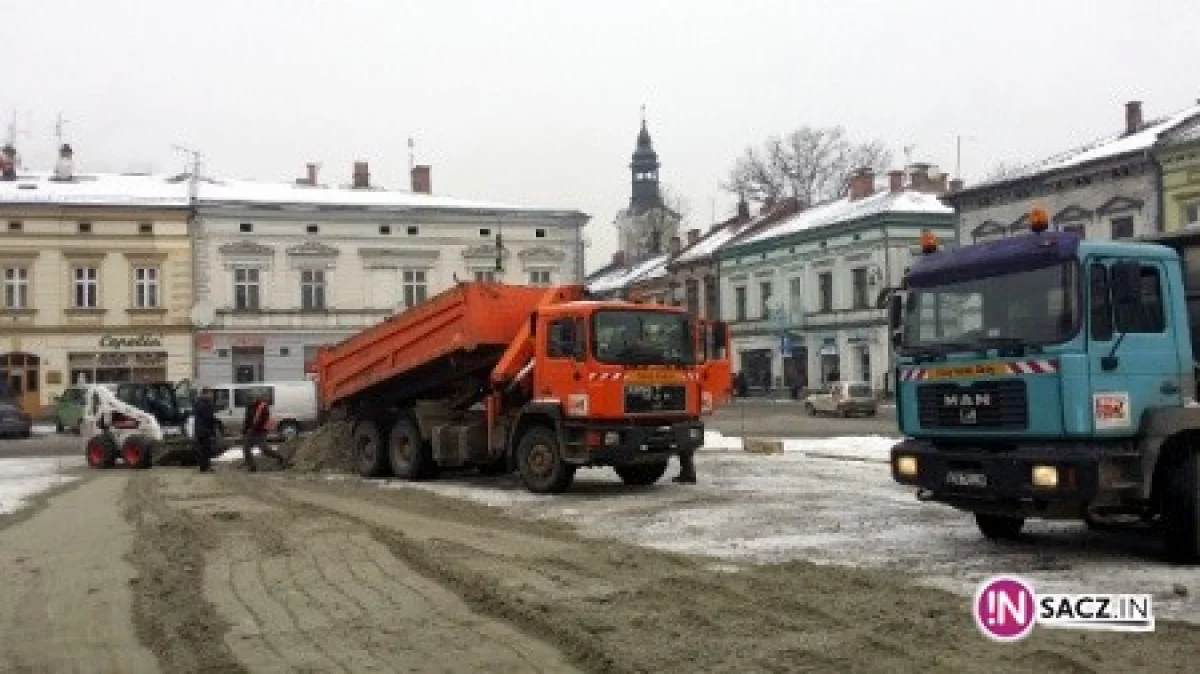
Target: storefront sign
x: 204, y: 341
x: 135, y: 342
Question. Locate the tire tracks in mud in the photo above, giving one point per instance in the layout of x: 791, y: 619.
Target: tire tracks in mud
x: 618, y: 608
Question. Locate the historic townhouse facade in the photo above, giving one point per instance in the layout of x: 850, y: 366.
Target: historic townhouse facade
x: 801, y: 294
x: 1179, y: 156
x: 1107, y: 189
x: 96, y: 281
x: 283, y: 269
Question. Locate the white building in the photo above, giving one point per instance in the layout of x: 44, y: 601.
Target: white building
x: 283, y: 269
x: 800, y: 295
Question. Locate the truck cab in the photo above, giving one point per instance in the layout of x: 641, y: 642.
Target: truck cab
x: 1044, y: 375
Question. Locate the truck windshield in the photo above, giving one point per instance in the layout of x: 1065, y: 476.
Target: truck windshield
x: 642, y: 337
x: 1033, y: 307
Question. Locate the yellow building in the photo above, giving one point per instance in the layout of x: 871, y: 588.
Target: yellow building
x: 1179, y: 156
x: 95, y: 281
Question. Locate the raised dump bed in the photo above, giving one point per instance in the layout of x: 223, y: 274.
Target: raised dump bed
x: 433, y: 349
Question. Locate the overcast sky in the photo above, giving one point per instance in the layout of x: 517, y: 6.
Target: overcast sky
x: 537, y: 101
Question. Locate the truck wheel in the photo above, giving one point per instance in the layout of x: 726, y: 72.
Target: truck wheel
x: 642, y: 474
x: 539, y: 461
x: 136, y: 452
x: 101, y: 451
x: 370, y: 453
x: 999, y: 527
x: 409, y: 456
x: 1181, y: 510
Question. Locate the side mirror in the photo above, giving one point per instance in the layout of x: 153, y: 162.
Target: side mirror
x: 895, y: 317
x: 1126, y: 282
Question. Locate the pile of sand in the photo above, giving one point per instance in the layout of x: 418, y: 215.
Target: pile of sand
x: 329, y: 448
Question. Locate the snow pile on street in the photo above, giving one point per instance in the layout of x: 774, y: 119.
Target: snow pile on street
x: 22, y: 479
x: 859, y: 448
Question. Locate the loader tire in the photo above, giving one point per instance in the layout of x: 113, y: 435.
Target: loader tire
x: 1181, y: 510
x: 540, y: 462
x: 370, y: 452
x: 410, y: 456
x: 101, y: 451
x: 136, y: 451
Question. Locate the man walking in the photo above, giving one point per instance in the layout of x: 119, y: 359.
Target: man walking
x: 254, y: 432
x: 204, y: 428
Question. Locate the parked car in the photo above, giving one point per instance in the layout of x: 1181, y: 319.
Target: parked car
x: 14, y: 423
x: 68, y: 409
x: 293, y: 406
x: 843, y: 399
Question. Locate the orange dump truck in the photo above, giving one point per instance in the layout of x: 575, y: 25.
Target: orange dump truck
x: 542, y: 381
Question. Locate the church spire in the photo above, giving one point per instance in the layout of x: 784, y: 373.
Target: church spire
x: 644, y: 169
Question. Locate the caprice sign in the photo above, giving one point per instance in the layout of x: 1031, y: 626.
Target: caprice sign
x: 145, y: 341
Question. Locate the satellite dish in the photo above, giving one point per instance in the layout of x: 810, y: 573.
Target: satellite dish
x: 203, y: 314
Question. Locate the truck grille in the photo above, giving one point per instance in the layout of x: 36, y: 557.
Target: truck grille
x: 985, y: 404
x: 642, y: 398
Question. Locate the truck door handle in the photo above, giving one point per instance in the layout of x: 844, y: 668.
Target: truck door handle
x: 1169, y: 387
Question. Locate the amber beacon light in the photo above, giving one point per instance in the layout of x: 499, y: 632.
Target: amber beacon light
x: 929, y: 242
x: 1039, y: 220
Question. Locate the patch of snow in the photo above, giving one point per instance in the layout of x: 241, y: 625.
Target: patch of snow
x: 873, y: 448
x: 622, y: 277
x: 24, y: 478
x: 844, y: 210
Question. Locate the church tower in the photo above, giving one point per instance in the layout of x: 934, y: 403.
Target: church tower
x: 644, y: 169
x: 647, y: 225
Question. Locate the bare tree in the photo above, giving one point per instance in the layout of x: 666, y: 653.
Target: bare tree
x: 1001, y: 170
x: 674, y: 200
x: 810, y: 164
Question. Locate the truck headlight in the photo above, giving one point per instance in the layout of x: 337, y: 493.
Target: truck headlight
x: 906, y: 466
x: 1045, y: 476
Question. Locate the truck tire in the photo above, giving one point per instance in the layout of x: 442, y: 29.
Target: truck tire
x: 641, y: 474
x: 410, y: 457
x: 999, y: 527
x: 370, y: 452
x: 136, y: 451
x: 540, y: 464
x: 101, y: 451
x: 1181, y: 510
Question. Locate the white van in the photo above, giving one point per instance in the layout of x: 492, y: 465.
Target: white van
x: 293, y: 406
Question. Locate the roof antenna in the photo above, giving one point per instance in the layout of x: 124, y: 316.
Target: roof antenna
x: 411, y: 155
x: 58, y: 128
x: 908, y: 150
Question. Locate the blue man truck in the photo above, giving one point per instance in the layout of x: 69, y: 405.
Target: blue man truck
x: 1048, y: 376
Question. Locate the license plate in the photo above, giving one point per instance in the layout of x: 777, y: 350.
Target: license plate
x: 962, y: 479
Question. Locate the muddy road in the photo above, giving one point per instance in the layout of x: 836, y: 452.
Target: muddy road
x: 170, y: 570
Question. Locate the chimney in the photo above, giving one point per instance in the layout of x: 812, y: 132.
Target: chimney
x: 693, y: 235
x: 862, y: 184
x: 1133, y: 117
x: 421, y: 180
x: 8, y: 163
x: 362, y: 176
x: 743, y: 210
x: 956, y: 185
x: 919, y: 177
x: 64, y: 168
x: 895, y: 181
x: 312, y: 174
x: 619, y: 258
x: 674, y: 246
x: 939, y: 183
x: 791, y: 206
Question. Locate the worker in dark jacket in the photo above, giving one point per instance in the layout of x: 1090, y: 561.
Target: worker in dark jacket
x: 254, y: 432
x: 204, y: 430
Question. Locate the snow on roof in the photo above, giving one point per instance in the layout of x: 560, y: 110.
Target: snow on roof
x: 161, y: 190
x: 1184, y: 133
x: 844, y: 210
x: 1110, y: 146
x: 621, y: 277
